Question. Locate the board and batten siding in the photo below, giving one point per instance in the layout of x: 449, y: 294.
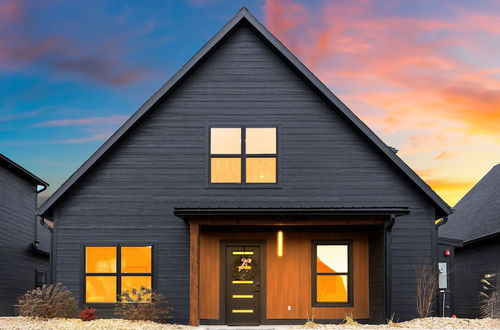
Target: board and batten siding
x: 17, y: 218
x: 161, y: 163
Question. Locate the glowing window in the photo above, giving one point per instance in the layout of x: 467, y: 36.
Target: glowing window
x: 100, y: 289
x: 136, y: 259
x: 261, y: 170
x: 225, y: 141
x: 226, y: 170
x: 243, y: 155
x: 100, y: 259
x: 332, y: 278
x: 106, y: 275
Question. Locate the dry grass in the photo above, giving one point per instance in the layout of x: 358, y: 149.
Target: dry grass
x: 425, y: 323
x: 24, y: 323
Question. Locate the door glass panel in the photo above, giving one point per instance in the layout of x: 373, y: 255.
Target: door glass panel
x: 225, y: 141
x: 261, y: 140
x: 226, y: 170
x: 331, y: 288
x: 136, y: 259
x: 131, y: 282
x: 261, y: 170
x: 332, y: 259
x: 100, y: 289
x: 99, y: 259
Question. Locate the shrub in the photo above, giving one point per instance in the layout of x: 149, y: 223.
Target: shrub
x: 49, y: 301
x: 488, y: 305
x: 349, y: 320
x: 427, y: 287
x: 143, y: 305
x: 88, y: 314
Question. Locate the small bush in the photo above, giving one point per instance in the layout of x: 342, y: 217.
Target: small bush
x: 349, y: 320
x: 88, y: 314
x: 391, y: 322
x: 143, y: 305
x: 49, y: 301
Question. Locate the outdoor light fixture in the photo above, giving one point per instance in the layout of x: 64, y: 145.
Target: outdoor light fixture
x: 279, y: 243
x: 446, y: 253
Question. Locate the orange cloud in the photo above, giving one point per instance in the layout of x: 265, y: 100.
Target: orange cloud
x: 354, y: 47
x: 422, y: 82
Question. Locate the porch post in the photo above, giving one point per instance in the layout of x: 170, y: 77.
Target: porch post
x: 194, y: 273
x: 388, y: 265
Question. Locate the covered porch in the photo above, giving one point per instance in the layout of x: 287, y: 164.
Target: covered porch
x: 285, y: 266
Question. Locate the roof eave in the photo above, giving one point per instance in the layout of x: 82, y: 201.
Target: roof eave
x: 23, y: 172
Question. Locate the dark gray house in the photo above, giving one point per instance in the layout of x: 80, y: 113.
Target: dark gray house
x: 24, y: 241
x: 472, y: 235
x: 247, y: 193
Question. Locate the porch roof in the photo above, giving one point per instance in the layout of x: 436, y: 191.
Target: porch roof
x: 198, y: 211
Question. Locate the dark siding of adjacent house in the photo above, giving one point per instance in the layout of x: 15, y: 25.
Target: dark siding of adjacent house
x: 17, y: 218
x: 472, y: 262
x: 449, y: 304
x: 161, y: 163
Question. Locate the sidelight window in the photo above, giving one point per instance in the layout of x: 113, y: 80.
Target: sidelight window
x: 332, y: 273
x: 112, y: 270
x: 243, y: 155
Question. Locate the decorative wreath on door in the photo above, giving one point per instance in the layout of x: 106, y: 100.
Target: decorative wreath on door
x: 245, y: 268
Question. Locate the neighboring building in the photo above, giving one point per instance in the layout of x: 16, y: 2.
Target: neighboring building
x: 24, y: 241
x: 476, y: 223
x: 247, y: 193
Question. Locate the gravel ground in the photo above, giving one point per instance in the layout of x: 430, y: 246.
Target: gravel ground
x: 23, y: 323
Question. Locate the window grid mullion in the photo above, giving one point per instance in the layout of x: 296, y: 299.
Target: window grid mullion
x: 118, y: 273
x: 243, y: 155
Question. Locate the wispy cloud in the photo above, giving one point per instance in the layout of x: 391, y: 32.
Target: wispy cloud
x: 101, y: 60
x: 91, y: 138
x: 16, y: 116
x: 119, y: 119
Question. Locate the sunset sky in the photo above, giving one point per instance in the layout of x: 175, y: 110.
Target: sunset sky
x: 424, y: 75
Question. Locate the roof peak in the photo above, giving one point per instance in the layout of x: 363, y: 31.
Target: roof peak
x: 333, y: 101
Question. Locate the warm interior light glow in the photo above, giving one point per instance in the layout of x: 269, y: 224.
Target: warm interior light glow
x: 279, y: 243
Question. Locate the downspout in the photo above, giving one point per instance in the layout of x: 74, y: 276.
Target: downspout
x: 34, y: 244
x: 442, y: 222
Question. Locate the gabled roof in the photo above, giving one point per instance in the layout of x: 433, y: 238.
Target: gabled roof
x: 477, y: 214
x: 244, y: 17
x: 21, y: 171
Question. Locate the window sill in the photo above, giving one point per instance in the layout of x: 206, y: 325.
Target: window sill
x: 244, y: 186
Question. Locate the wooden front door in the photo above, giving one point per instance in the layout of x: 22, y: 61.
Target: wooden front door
x: 243, y: 269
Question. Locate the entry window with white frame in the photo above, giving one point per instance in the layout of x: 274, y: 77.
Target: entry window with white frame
x: 243, y: 155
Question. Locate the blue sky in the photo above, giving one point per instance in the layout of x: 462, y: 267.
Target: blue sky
x: 425, y: 75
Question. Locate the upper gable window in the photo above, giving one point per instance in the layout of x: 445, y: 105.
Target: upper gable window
x: 243, y: 155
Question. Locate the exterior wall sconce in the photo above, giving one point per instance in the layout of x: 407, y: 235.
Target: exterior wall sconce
x: 279, y: 243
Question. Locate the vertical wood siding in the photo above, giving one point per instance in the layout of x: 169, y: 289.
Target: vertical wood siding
x: 161, y: 164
